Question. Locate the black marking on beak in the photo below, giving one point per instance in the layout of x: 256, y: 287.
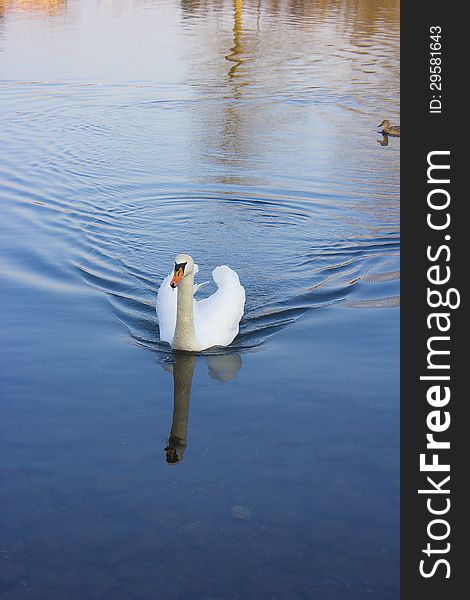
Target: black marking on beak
x: 180, y: 266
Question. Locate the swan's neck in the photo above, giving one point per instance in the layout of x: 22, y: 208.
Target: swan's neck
x: 185, y: 336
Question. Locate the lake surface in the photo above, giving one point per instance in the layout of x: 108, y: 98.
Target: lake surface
x: 243, y: 133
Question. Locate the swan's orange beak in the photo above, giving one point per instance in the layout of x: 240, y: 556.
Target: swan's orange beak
x: 178, y: 274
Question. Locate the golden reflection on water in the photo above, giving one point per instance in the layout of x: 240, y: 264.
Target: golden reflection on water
x: 266, y: 72
x: 363, y: 14
x: 47, y: 7
x: 237, y: 49
x: 318, y: 56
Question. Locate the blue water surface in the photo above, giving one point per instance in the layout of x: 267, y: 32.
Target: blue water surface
x: 243, y: 133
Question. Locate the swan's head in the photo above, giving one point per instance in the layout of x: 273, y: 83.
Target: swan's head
x: 184, y: 265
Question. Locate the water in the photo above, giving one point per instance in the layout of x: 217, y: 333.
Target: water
x: 243, y: 133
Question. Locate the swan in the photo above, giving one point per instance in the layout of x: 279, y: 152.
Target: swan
x: 194, y: 325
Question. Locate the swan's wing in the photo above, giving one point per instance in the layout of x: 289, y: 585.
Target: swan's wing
x: 166, y: 308
x: 217, y: 318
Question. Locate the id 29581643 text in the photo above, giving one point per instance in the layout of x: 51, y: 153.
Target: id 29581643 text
x: 435, y: 69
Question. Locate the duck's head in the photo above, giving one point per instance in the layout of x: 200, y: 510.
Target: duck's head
x: 184, y: 265
x: 385, y: 123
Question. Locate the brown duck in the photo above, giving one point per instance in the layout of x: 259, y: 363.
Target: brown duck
x: 388, y: 129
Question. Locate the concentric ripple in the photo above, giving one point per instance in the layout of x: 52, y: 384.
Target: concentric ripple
x: 278, y: 247
x: 327, y: 240
x: 244, y: 151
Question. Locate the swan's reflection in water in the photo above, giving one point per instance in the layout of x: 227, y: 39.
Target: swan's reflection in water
x: 223, y: 368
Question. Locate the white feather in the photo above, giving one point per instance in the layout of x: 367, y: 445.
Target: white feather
x: 216, y: 318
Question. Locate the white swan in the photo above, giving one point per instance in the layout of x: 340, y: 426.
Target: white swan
x: 195, y: 325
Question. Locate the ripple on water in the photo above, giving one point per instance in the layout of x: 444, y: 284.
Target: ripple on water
x: 79, y: 169
x: 287, y: 270
x: 289, y: 253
